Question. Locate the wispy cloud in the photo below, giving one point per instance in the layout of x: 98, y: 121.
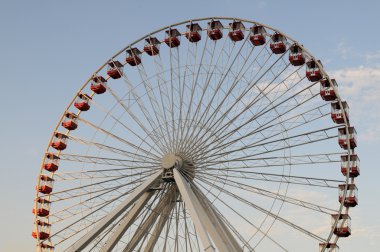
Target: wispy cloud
x: 373, y: 57
x: 361, y: 88
x: 363, y: 230
x: 344, y: 50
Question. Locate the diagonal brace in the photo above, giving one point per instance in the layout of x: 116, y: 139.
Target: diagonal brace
x: 126, y: 222
x: 115, y: 213
x: 143, y: 229
x: 160, y: 224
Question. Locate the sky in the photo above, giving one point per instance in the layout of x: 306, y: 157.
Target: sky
x: 49, y: 48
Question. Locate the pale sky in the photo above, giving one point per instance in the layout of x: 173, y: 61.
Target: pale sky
x: 49, y: 48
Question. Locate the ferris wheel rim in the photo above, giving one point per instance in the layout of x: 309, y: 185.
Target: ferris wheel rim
x: 346, y: 122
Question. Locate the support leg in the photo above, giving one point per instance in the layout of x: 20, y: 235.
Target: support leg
x: 197, y: 217
x: 160, y: 225
x: 219, y: 224
x: 220, y: 234
x: 114, y: 214
x: 126, y: 222
x: 148, y: 223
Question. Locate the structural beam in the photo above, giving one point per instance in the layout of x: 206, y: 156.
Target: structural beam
x: 126, y: 222
x: 197, y: 216
x: 114, y: 214
x: 217, y: 221
x: 143, y: 229
x: 216, y: 228
x: 160, y: 225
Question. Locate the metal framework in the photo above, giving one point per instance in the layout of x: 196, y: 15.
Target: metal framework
x: 206, y: 144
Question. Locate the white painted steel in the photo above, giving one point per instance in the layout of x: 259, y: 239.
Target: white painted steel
x: 133, y: 197
x: 195, y: 212
x: 127, y: 221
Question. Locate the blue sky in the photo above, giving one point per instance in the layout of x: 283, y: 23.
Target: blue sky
x: 49, y: 48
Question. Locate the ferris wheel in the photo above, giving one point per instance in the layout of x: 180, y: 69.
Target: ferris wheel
x: 212, y: 134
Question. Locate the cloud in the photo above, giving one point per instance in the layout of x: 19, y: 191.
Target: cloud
x: 373, y: 57
x: 344, y: 50
x: 361, y: 88
x: 368, y: 232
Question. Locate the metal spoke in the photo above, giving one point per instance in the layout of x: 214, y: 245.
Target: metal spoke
x: 220, y: 144
x: 112, y: 149
x: 300, y: 139
x: 124, y: 125
x: 278, y: 161
x: 307, y: 181
x: 245, y: 219
x: 290, y: 224
x: 249, y: 188
x: 138, y: 148
x: 154, y: 137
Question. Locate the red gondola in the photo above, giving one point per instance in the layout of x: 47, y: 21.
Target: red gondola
x: 351, y: 199
x: 313, y: 73
x: 237, y: 30
x: 98, y: 85
x: 296, y: 56
x: 59, y: 141
x: 277, y: 44
x: 172, y: 38
x: 152, y: 46
x: 343, y: 227
x: 115, y: 69
x: 46, y: 184
x: 70, y: 121
x: 258, y: 35
x: 354, y: 165
x: 83, y: 102
x: 342, y: 137
x: 337, y: 112
x: 330, y: 247
x: 43, y: 230
x: 133, y: 56
x: 327, y: 91
x: 51, y: 162
x: 214, y: 30
x: 43, y: 207
x: 193, y: 32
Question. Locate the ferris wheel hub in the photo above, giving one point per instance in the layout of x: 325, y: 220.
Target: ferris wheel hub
x: 170, y: 160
